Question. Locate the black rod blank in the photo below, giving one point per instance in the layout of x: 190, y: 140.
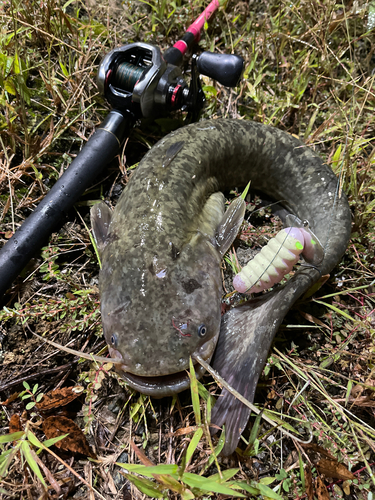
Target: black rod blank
x: 97, y: 153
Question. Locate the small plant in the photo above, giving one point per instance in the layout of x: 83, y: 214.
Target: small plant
x: 186, y: 484
x: 49, y: 268
x: 30, y: 393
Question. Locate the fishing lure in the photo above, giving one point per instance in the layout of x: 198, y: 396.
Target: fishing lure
x: 277, y: 258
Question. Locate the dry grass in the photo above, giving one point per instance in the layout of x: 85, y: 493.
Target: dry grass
x: 309, y: 71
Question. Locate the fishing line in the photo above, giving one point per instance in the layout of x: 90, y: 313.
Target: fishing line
x: 337, y: 195
x: 88, y: 356
x: 269, y: 205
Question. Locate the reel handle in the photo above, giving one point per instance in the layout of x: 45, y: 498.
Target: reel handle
x: 224, y: 68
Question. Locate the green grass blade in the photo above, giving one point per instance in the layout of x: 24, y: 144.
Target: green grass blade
x: 301, y: 470
x: 7, y: 438
x: 148, y: 471
x: 204, y: 484
x: 52, y: 441
x: 336, y: 309
x: 193, y: 444
x: 145, y: 486
x: 245, y: 191
x: 25, y: 448
x: 268, y: 492
x: 195, y: 394
x: 247, y: 487
x: 225, y: 475
x: 6, y: 459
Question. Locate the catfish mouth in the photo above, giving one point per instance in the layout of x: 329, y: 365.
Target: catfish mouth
x: 166, y: 385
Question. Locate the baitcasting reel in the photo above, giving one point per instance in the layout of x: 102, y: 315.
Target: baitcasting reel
x: 137, y: 78
x: 138, y: 81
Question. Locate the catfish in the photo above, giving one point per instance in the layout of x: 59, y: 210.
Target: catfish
x: 161, y: 250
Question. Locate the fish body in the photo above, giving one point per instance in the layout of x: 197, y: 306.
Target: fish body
x: 161, y: 248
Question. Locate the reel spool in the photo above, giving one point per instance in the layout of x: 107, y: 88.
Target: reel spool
x: 126, y: 75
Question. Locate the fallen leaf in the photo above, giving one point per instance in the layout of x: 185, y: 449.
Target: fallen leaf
x: 15, y: 424
x: 364, y: 401
x: 331, y: 468
x: 58, y: 397
x: 315, y: 448
x: 141, y: 456
x: 182, y: 431
x: 321, y: 490
x: 271, y: 394
x: 10, y: 399
x: 309, y: 483
x: 75, y: 442
x: 312, y: 319
x: 291, y: 459
x: 346, y: 487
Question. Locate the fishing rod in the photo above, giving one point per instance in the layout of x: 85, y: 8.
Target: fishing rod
x: 138, y: 81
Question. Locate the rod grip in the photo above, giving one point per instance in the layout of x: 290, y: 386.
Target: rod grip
x: 99, y: 150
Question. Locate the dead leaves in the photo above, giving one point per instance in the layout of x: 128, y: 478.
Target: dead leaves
x: 309, y: 483
x: 326, y: 465
x: 332, y: 468
x: 15, y: 424
x: 58, y: 397
x: 75, y: 441
x: 321, y: 489
x: 55, y: 426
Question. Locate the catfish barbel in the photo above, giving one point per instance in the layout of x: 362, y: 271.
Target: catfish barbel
x: 161, y: 248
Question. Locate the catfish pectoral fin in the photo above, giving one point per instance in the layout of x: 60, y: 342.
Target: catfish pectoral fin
x: 101, y: 216
x: 246, y: 335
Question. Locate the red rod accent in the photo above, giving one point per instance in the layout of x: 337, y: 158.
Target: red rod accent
x: 196, y: 27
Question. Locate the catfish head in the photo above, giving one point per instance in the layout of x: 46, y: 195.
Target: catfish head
x: 159, y: 306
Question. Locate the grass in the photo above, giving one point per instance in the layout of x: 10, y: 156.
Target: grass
x: 309, y: 71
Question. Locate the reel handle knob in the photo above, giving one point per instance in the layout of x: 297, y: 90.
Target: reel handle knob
x: 224, y: 68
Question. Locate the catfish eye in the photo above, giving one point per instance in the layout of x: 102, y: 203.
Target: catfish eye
x: 202, y: 330
x: 114, y: 340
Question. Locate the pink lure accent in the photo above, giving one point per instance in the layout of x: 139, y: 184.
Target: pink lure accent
x: 309, y: 247
x: 238, y: 284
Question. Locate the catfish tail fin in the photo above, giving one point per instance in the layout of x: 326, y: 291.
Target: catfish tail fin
x: 246, y: 335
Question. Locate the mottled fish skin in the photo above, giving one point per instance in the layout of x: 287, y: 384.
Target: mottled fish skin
x: 160, y: 280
